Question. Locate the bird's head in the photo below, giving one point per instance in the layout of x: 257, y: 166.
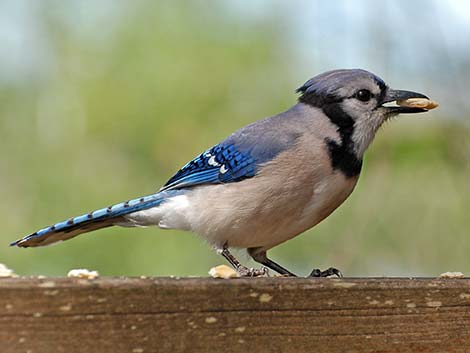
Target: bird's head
x: 354, y: 100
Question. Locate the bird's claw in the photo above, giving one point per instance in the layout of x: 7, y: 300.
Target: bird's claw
x: 253, y: 272
x: 327, y: 273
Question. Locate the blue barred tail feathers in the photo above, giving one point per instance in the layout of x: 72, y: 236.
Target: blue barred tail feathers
x: 104, y: 217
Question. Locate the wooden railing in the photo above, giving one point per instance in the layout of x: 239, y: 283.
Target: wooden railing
x: 171, y: 315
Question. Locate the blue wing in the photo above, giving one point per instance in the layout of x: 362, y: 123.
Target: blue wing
x: 241, y: 155
x: 222, y: 163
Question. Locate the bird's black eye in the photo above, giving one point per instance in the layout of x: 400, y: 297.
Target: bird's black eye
x: 363, y: 95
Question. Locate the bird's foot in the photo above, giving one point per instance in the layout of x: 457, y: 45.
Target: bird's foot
x: 252, y: 272
x: 327, y: 273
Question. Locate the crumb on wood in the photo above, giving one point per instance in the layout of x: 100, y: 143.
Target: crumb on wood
x: 223, y: 271
x: 451, y: 275
x: 82, y: 273
x: 6, y: 272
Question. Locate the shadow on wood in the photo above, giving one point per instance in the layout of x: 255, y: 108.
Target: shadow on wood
x: 239, y: 315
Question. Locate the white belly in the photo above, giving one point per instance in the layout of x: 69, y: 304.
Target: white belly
x: 238, y: 218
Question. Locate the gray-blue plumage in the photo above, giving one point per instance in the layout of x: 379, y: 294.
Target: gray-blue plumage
x: 241, y: 154
x: 327, y: 84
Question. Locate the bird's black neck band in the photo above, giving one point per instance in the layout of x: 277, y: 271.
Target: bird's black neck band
x: 342, y: 154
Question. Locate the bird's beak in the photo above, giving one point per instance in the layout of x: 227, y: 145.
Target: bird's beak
x: 393, y: 95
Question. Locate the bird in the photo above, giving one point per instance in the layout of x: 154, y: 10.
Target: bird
x: 267, y: 182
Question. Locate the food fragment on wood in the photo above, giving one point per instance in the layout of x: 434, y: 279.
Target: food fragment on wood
x: 83, y: 273
x: 451, y: 275
x: 223, y: 271
x: 6, y: 272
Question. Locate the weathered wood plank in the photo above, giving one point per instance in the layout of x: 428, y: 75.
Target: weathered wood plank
x: 239, y: 315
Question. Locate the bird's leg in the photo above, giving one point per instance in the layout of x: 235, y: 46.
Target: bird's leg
x: 260, y: 256
x: 327, y: 273
x: 243, y: 271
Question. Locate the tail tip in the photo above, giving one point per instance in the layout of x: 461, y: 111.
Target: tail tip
x: 15, y: 243
x: 21, y: 243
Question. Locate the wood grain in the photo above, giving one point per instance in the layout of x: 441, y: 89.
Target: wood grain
x: 238, y: 315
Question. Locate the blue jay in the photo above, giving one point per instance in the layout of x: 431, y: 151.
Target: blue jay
x: 268, y: 181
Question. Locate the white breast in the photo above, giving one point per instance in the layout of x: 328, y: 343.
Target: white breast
x: 256, y: 214
x: 328, y: 194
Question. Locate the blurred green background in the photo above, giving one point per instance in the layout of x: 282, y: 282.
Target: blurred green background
x: 103, y: 101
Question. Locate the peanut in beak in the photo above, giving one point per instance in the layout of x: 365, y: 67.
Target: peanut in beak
x: 418, y: 103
